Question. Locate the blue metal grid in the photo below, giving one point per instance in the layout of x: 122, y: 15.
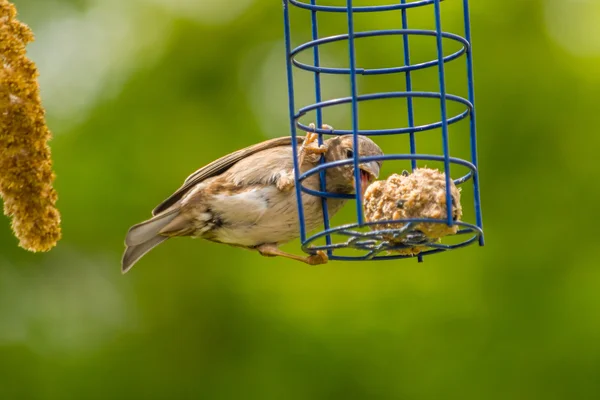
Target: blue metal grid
x: 371, y: 243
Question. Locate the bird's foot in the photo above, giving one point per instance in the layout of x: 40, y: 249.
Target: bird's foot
x: 319, y: 258
x: 310, y: 146
x: 311, y: 137
x: 285, y: 181
x: 325, y: 127
x: 271, y: 250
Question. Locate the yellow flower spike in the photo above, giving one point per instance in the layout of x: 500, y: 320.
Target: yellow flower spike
x: 26, y: 174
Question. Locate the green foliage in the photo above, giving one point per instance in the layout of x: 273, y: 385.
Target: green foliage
x: 517, y: 319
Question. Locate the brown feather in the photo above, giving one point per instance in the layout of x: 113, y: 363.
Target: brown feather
x: 219, y: 166
x: 134, y: 253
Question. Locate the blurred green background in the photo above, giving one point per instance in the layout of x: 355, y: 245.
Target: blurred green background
x: 140, y: 93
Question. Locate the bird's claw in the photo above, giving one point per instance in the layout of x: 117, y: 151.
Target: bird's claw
x: 325, y: 127
x: 319, y: 258
x: 309, y: 146
x: 311, y: 137
x: 285, y: 181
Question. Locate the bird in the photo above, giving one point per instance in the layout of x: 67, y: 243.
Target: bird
x: 245, y: 199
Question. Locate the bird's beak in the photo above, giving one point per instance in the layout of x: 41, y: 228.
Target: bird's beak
x: 368, y: 173
x: 372, y: 170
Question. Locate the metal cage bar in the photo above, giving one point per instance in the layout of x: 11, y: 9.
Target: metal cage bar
x: 443, y: 108
x: 409, y: 86
x: 473, y: 125
x: 319, y: 111
x: 370, y: 244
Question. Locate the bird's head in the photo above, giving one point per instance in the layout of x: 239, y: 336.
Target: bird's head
x: 340, y: 179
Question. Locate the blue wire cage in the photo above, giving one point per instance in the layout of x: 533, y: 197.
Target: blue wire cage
x: 370, y: 244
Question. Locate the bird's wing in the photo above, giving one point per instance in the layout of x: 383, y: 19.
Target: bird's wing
x: 219, y: 166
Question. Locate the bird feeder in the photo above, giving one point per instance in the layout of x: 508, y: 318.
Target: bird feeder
x: 365, y: 239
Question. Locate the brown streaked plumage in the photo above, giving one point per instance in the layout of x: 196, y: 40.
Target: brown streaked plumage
x: 245, y: 199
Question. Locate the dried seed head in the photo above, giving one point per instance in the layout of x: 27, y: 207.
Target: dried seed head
x: 26, y: 174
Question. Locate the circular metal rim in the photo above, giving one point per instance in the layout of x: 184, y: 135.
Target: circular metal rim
x: 422, y: 157
x: 378, y: 71
x: 388, y: 7
x: 437, y: 248
x: 380, y: 96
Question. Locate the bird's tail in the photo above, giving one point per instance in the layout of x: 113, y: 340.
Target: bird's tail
x: 143, y: 237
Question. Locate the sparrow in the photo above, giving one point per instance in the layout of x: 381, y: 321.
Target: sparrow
x: 245, y: 199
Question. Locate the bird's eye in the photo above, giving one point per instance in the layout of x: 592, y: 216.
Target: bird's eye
x: 349, y: 153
